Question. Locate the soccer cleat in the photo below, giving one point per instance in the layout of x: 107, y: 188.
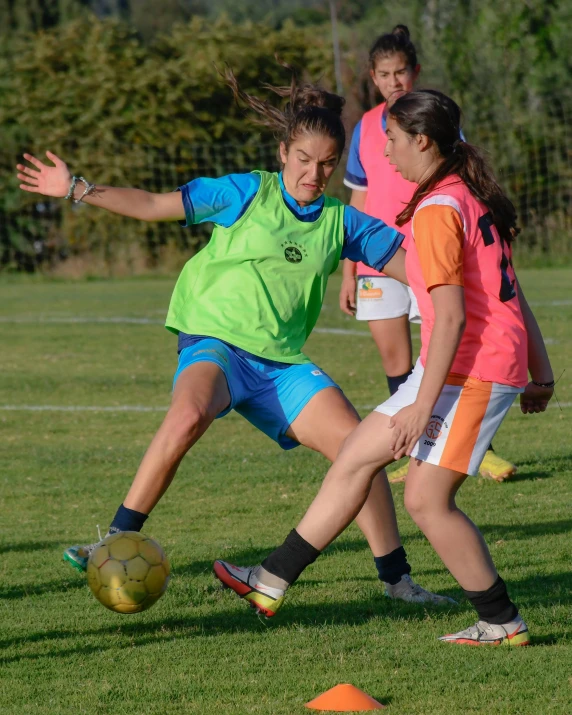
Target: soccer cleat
x: 78, y: 556
x: 243, y: 581
x: 399, y: 474
x: 514, y: 633
x: 496, y: 467
x: 411, y: 592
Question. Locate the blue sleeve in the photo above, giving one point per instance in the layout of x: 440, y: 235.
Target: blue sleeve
x: 355, y: 176
x: 369, y: 239
x: 222, y: 201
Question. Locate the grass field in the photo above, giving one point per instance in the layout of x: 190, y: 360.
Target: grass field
x: 98, y: 347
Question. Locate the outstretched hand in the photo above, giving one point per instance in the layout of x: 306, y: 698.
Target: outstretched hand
x: 535, y: 398
x: 43, y: 179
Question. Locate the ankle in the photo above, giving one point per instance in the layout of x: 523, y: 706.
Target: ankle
x: 127, y: 520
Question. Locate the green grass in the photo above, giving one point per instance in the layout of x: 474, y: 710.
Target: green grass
x: 200, y: 650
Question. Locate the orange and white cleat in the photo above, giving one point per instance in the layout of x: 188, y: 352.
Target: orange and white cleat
x: 243, y: 581
x: 514, y: 633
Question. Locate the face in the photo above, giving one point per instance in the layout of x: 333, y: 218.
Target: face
x: 394, y: 77
x: 407, y: 153
x: 309, y: 163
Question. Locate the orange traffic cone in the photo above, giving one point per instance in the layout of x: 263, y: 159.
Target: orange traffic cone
x: 344, y: 698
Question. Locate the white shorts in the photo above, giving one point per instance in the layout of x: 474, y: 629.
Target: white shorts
x: 465, y: 419
x: 382, y: 298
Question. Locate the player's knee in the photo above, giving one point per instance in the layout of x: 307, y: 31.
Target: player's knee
x: 188, y: 421
x: 417, y: 506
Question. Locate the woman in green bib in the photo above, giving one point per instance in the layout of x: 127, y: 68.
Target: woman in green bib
x: 244, y: 306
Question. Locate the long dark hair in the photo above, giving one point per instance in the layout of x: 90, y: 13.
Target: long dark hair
x: 309, y: 110
x: 438, y: 117
x: 397, y: 40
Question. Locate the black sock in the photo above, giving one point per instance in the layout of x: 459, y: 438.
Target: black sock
x: 289, y: 560
x: 394, y: 382
x: 128, y: 520
x: 393, y: 566
x: 493, y: 605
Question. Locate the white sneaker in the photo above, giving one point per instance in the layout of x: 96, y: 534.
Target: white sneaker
x: 484, y: 633
x: 411, y: 592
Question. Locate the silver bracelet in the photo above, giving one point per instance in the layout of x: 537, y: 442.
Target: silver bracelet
x: 88, y: 189
x: 71, y: 188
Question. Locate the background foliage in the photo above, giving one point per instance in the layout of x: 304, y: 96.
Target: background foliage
x: 129, y: 95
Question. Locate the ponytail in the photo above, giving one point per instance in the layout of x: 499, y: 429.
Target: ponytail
x: 438, y: 117
x: 309, y: 110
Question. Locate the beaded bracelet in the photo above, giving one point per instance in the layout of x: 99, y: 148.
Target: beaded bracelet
x: 88, y: 189
x: 72, y: 188
x: 543, y: 384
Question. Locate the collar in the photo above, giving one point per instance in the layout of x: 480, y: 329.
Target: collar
x: 294, y: 206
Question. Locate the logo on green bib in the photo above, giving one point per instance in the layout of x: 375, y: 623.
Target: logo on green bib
x: 292, y: 254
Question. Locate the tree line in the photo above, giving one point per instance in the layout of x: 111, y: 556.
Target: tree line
x: 119, y: 97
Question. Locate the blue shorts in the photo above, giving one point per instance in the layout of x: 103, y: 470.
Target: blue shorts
x: 269, y: 397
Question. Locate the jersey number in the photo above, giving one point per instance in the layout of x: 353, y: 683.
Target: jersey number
x: 507, y: 291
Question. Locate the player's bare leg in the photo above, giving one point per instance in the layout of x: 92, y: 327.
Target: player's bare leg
x: 325, y: 425
x: 392, y: 337
x: 200, y: 394
x: 430, y: 500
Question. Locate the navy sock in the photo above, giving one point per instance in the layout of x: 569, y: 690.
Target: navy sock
x: 392, y: 566
x: 394, y: 382
x: 289, y: 560
x: 127, y: 520
x: 493, y: 605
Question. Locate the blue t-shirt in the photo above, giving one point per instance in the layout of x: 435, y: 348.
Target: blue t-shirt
x: 224, y: 200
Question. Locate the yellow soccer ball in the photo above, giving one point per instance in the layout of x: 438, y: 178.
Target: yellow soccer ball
x: 128, y: 572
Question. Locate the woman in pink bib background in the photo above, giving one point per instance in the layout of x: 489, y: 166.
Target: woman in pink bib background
x: 379, y: 190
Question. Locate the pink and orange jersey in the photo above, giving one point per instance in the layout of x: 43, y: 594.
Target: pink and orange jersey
x: 455, y: 243
x: 369, y: 170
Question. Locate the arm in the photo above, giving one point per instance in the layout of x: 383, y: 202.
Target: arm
x: 395, y: 267
x: 535, y: 398
x: 348, y: 288
x: 135, y: 203
x: 408, y: 424
x: 439, y: 242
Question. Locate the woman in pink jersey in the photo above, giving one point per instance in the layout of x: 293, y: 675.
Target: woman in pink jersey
x: 377, y: 189
x: 479, y: 342
x: 386, y: 304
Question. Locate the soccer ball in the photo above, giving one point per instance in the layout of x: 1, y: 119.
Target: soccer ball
x: 128, y: 572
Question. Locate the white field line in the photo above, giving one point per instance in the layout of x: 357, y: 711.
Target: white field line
x: 125, y: 320
x: 114, y: 319
x: 546, y: 303
x: 80, y: 408
x: 143, y: 408
x: 516, y: 404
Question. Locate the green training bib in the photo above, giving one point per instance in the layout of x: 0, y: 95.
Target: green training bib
x: 260, y: 284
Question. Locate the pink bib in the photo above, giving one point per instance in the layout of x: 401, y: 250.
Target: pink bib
x: 494, y: 346
x: 387, y: 191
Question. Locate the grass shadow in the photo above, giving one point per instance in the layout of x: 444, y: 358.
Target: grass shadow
x: 29, y: 546
x: 19, y: 591
x: 556, y: 588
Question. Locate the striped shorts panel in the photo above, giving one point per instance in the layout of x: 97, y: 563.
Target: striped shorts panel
x: 466, y: 416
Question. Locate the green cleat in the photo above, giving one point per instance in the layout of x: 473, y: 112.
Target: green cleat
x: 78, y: 556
